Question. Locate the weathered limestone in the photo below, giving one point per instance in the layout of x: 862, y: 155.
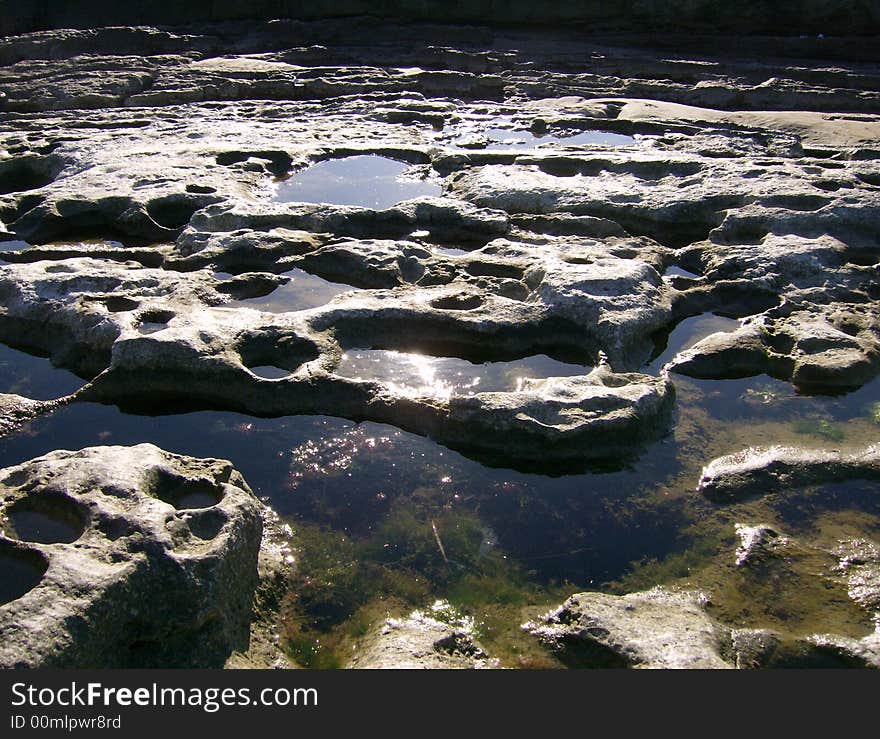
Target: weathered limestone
x: 675, y: 628
x: 750, y: 163
x: 124, y: 557
x: 434, y: 639
x: 655, y: 629
x: 16, y: 410
x: 759, y: 471
x: 152, y: 334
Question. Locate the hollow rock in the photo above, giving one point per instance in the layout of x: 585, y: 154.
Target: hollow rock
x: 135, y: 557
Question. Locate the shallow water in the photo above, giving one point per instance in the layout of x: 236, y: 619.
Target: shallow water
x: 42, y: 526
x: 687, y: 333
x: 369, y: 495
x: 270, y: 372
x: 34, y: 377
x: 20, y: 575
x: 674, y: 271
x: 303, y: 291
x: 414, y: 375
x: 13, y: 245
x: 509, y: 138
x: 368, y: 181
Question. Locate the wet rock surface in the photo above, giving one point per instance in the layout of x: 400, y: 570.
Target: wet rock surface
x: 590, y: 195
x: 125, y: 557
x: 432, y: 639
x: 764, y: 471
x: 655, y: 629
x: 16, y: 410
x: 686, y: 629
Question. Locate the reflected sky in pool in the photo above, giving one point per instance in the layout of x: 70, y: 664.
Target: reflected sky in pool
x: 368, y: 181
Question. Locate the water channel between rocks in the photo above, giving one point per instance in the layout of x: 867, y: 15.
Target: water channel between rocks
x: 364, y: 499
x: 500, y: 133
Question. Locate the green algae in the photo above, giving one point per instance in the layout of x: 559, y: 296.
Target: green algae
x: 819, y: 428
x: 437, y: 541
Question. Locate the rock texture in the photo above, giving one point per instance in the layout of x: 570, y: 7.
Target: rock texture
x: 669, y: 629
x: 654, y: 629
x: 435, y: 639
x: 547, y: 247
x: 543, y: 247
x: 760, y: 471
x: 16, y: 410
x: 592, y: 192
x: 126, y: 557
x: 806, y: 16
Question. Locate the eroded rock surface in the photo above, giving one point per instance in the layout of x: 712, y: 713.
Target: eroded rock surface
x: 654, y: 629
x: 594, y: 192
x: 681, y: 629
x: 126, y: 557
x: 16, y: 410
x: 434, y: 639
x: 540, y: 244
x: 760, y: 471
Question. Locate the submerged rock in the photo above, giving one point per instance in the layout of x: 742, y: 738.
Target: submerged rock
x: 657, y: 629
x: 668, y: 629
x: 435, y: 639
x: 859, y: 565
x: 760, y: 471
x: 570, y: 178
x: 126, y: 557
x: 757, y: 543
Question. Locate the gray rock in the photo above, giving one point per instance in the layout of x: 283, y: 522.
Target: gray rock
x: 860, y: 567
x: 760, y: 471
x: 16, y: 410
x: 437, y: 638
x: 156, y: 336
x: 757, y: 543
x: 124, y: 557
x: 659, y: 629
x: 739, y: 170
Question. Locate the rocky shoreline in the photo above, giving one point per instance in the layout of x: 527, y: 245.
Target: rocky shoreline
x: 594, y: 193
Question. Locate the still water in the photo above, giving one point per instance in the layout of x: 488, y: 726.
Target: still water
x: 414, y: 375
x: 301, y: 292
x: 368, y: 181
x: 364, y: 499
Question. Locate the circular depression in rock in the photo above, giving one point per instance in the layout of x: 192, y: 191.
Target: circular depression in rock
x: 46, y: 519
x: 22, y: 569
x: 151, y: 321
x: 457, y: 302
x: 367, y: 181
x: 186, y: 494
x: 207, y: 524
x: 277, y: 350
x: 119, y: 304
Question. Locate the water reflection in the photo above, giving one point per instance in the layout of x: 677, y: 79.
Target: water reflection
x: 301, y: 292
x: 366, y: 497
x: 674, y: 271
x: 34, y: 377
x: 510, y: 138
x: 416, y: 375
x: 368, y: 181
x: 687, y: 333
x: 11, y: 246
